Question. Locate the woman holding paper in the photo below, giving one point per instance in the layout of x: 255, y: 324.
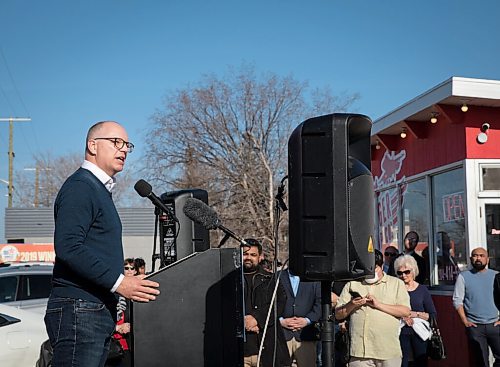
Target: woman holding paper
x: 415, y: 330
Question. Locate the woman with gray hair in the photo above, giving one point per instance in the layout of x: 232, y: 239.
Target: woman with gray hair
x: 422, y: 308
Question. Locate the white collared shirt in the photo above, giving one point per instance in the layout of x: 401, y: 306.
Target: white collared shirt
x: 102, y: 176
x: 109, y: 182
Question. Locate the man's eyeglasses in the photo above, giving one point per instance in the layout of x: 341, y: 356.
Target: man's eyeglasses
x: 405, y: 272
x: 119, y: 143
x: 392, y: 254
x: 128, y: 267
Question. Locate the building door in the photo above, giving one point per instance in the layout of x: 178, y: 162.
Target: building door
x: 490, y: 223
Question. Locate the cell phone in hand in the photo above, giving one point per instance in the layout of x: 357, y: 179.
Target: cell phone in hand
x: 354, y: 294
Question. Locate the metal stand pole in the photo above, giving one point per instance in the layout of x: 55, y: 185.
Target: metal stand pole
x: 155, y: 255
x: 327, y: 326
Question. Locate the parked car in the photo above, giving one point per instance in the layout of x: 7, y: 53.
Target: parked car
x: 26, y: 285
x: 21, y: 335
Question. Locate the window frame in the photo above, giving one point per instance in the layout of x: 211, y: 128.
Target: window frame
x: 427, y: 175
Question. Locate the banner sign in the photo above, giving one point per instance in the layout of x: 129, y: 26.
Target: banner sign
x: 24, y: 252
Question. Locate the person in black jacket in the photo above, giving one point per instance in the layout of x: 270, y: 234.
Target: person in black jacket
x: 410, y: 243
x: 259, y: 286
x: 302, y: 311
x: 496, y: 290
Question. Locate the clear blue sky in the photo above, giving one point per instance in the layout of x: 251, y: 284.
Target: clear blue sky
x: 72, y: 63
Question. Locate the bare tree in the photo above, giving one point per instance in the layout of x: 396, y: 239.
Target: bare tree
x: 229, y: 136
x: 38, y: 185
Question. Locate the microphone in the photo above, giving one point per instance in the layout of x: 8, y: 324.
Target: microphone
x: 201, y: 213
x: 145, y: 190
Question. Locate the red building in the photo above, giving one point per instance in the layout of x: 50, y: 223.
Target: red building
x: 436, y: 167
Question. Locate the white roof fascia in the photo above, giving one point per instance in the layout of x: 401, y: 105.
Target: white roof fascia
x: 455, y: 86
x: 417, y: 104
x: 476, y: 88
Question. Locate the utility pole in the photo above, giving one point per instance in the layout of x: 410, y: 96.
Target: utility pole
x: 37, y: 183
x: 11, y: 121
x: 37, y: 170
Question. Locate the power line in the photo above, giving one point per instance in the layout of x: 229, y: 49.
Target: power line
x: 14, y: 83
x: 27, y: 144
x: 12, y: 109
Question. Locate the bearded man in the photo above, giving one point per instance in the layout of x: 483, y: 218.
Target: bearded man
x: 259, y: 287
x: 476, y: 307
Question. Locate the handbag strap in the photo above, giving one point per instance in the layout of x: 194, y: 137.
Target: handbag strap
x: 433, y: 322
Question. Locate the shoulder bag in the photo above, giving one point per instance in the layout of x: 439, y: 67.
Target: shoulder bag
x: 435, y: 346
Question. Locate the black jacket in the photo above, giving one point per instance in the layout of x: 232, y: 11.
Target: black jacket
x: 307, y: 303
x: 496, y: 290
x: 259, y: 289
x: 423, y: 276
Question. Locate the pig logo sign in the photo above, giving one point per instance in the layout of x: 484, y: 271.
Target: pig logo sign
x: 390, y: 167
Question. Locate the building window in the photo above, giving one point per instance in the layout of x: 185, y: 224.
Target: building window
x: 416, y: 217
x: 490, y: 178
x: 388, y: 208
x: 448, y: 208
x: 415, y: 211
x: 492, y: 215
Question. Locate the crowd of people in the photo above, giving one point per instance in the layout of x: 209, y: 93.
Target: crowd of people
x: 381, y: 313
x: 88, y: 307
x: 378, y: 340
x: 387, y: 319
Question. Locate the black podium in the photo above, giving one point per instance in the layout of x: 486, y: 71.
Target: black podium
x: 197, y: 320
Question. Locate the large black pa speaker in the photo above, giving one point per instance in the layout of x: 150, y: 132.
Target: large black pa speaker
x: 192, y: 237
x: 331, y: 198
x: 197, y: 320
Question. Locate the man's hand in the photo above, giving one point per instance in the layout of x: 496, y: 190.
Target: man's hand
x: 353, y: 305
x: 343, y: 326
x: 300, y: 322
x: 468, y: 323
x: 251, y: 324
x: 372, y: 301
x: 358, y: 301
x: 138, y: 289
x: 287, y: 323
x: 294, y: 323
x: 496, y: 323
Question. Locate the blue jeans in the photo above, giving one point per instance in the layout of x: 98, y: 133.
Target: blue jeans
x: 79, y: 332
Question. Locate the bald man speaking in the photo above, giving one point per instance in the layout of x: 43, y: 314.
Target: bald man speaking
x: 81, y: 311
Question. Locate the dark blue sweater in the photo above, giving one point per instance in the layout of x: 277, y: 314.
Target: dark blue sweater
x: 87, y: 241
x: 420, y: 301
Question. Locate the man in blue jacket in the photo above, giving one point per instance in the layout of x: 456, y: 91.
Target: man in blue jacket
x: 302, y: 310
x: 87, y: 278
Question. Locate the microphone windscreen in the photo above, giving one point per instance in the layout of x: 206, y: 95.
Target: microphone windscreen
x: 201, y: 213
x: 143, y: 188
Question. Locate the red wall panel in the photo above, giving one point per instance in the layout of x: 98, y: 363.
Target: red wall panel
x: 453, y: 333
x: 446, y: 142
